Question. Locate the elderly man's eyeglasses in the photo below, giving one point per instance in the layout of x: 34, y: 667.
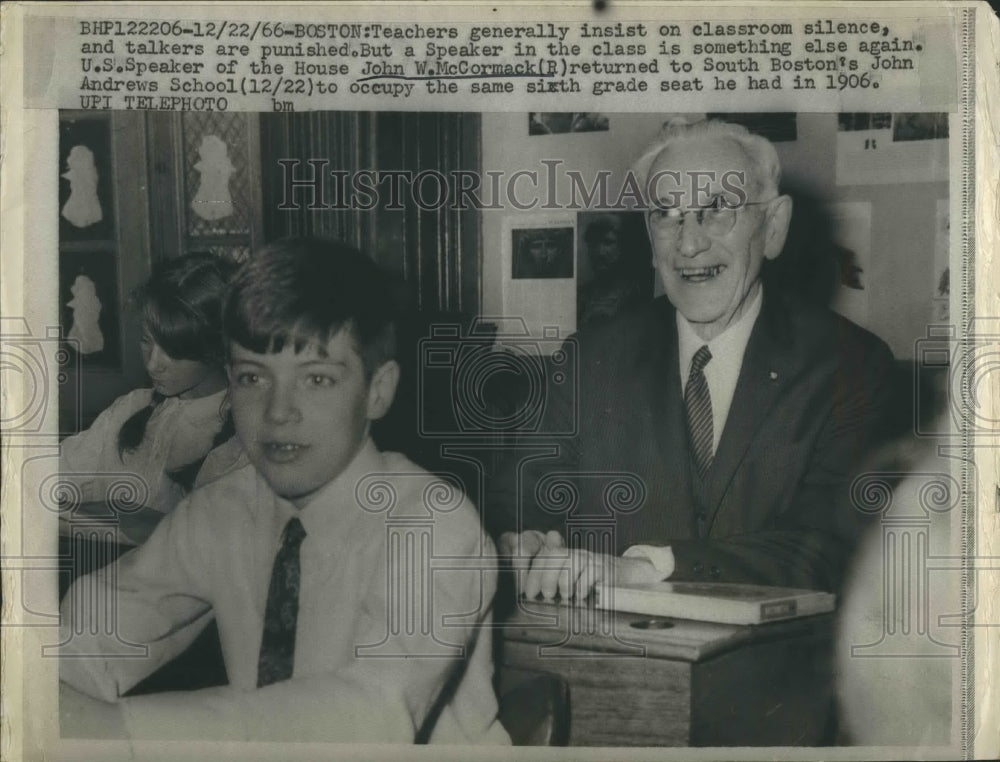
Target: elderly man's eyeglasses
x: 716, y: 219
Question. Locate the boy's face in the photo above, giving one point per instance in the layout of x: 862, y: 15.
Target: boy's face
x: 302, y: 417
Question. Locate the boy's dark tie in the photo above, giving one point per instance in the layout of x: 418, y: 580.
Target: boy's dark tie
x: 277, y: 648
x: 698, y: 403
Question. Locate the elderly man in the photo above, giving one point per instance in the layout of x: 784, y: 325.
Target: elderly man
x: 735, y: 415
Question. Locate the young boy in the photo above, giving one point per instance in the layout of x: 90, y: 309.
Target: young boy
x: 351, y: 589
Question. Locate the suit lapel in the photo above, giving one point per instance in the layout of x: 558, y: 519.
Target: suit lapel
x: 659, y: 376
x: 767, y: 366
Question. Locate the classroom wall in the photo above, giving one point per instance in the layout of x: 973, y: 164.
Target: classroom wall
x: 900, y: 278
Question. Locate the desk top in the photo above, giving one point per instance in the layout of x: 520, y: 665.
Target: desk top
x: 591, y: 629
x: 130, y: 528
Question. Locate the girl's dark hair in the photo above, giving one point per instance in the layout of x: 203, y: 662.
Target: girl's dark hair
x: 181, y: 307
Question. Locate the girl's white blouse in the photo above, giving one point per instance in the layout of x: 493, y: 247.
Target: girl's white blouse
x: 180, y: 431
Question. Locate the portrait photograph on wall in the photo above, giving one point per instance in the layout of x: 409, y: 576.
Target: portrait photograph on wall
x: 778, y: 127
x: 86, y: 206
x: 88, y: 299
x: 613, y: 271
x: 542, y: 253
x: 557, y: 123
x: 885, y: 148
x: 919, y: 127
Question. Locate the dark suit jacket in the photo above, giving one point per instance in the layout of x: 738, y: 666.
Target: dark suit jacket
x: 774, y: 507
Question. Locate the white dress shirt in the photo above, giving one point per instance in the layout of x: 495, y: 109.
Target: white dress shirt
x: 723, y: 370
x: 178, y: 432
x: 359, y: 673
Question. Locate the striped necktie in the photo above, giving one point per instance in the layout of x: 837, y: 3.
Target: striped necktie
x: 698, y: 405
x: 277, y: 647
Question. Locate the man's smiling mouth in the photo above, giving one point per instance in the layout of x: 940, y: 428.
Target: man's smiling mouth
x: 699, y: 274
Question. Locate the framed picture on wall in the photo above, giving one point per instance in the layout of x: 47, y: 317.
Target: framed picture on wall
x: 778, y: 127
x: 86, y: 193
x: 557, y: 123
x: 542, y: 253
x: 539, y: 272
x: 89, y: 307
x: 887, y: 149
x: 614, y: 271
x: 919, y: 127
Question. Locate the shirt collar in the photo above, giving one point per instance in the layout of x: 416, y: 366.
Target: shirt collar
x: 730, y: 344
x: 335, y: 506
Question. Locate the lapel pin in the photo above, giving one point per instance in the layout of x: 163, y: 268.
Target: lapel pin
x: 773, y: 375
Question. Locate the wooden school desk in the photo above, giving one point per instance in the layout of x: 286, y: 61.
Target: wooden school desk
x: 636, y: 680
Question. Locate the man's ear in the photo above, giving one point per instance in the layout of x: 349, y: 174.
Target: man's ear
x: 779, y: 217
x: 382, y: 389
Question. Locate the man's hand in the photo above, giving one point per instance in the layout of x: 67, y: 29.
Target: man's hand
x: 543, y: 564
x: 523, y: 548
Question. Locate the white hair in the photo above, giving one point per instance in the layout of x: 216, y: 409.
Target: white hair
x: 763, y: 158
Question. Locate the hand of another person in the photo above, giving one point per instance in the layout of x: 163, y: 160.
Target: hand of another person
x: 573, y: 573
x: 523, y: 548
x: 543, y: 564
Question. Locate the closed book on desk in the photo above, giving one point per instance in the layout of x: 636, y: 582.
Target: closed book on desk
x: 715, y: 601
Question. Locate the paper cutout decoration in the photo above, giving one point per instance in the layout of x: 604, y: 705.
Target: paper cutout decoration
x: 213, y: 200
x: 86, y: 307
x: 83, y: 207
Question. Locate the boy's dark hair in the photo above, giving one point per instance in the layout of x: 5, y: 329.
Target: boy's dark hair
x: 306, y: 290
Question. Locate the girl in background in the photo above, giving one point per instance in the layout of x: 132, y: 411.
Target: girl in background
x: 163, y: 434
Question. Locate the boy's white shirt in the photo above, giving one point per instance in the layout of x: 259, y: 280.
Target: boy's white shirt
x: 215, y: 553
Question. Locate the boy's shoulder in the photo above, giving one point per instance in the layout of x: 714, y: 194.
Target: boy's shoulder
x: 413, y: 490
x: 238, y: 490
x: 406, y: 492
